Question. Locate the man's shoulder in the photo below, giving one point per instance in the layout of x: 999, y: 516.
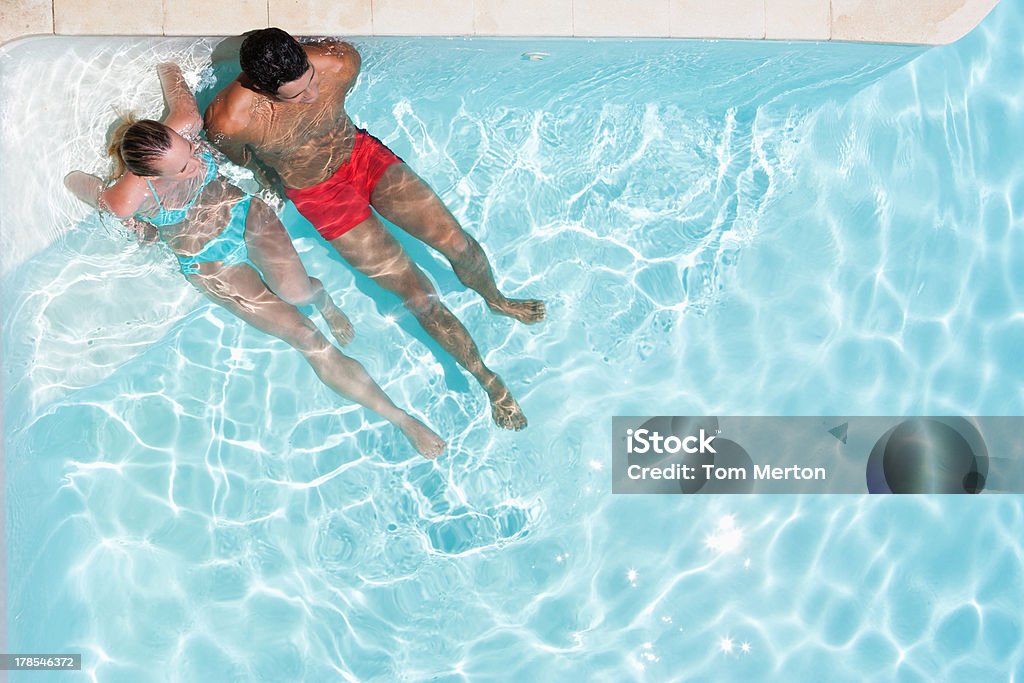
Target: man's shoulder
x: 336, y: 59
x: 331, y: 50
x: 230, y: 111
x: 334, y: 56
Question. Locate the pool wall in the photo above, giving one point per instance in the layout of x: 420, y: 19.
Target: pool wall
x: 929, y: 22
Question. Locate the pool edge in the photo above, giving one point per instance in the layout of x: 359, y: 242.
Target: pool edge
x: 920, y: 22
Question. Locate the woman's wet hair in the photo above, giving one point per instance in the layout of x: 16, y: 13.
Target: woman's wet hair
x: 136, y: 145
x: 270, y: 57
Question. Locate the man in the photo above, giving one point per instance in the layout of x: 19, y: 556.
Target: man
x: 287, y: 110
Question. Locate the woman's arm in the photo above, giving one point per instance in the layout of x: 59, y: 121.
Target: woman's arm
x: 85, y: 186
x: 120, y: 199
x: 184, y: 113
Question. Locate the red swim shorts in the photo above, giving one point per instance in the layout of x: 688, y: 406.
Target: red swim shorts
x: 342, y: 202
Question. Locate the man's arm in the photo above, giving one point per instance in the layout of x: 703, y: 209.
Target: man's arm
x: 233, y: 147
x: 227, y: 132
x: 224, y: 129
x: 240, y: 154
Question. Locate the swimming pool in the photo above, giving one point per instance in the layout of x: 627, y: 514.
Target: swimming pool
x: 718, y: 228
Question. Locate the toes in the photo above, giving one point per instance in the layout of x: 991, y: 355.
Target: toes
x: 511, y: 420
x: 432, y: 449
x: 501, y: 419
x: 536, y: 311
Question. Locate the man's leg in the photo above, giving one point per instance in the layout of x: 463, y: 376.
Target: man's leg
x: 373, y: 251
x: 406, y: 200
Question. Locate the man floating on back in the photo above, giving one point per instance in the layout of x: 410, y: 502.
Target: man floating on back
x: 287, y: 109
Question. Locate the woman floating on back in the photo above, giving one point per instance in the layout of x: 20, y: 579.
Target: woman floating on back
x: 230, y: 245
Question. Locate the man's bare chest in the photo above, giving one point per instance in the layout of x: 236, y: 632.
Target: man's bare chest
x: 282, y: 129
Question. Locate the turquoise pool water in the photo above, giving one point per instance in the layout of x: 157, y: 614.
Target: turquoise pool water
x: 718, y: 228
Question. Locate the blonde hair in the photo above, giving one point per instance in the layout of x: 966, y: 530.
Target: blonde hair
x: 136, y: 144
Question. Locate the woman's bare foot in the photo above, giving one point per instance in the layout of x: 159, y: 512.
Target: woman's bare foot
x: 423, y: 439
x: 505, y: 409
x: 527, y: 311
x: 341, y: 326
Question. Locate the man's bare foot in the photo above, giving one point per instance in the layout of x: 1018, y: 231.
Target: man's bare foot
x: 527, y: 311
x: 341, y: 326
x: 505, y: 409
x: 423, y: 439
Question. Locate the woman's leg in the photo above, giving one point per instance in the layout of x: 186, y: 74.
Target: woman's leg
x: 240, y: 289
x: 271, y: 249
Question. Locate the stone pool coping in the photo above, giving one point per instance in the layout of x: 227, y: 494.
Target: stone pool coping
x: 925, y: 22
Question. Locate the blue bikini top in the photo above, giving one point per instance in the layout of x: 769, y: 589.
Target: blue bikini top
x: 172, y: 216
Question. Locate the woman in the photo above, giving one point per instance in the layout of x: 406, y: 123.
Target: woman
x: 230, y: 245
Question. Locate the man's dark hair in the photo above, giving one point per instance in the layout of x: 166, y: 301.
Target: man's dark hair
x: 271, y: 57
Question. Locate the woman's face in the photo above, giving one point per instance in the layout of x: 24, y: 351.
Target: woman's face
x: 180, y: 160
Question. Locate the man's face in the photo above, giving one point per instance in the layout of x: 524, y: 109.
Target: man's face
x: 304, y: 89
